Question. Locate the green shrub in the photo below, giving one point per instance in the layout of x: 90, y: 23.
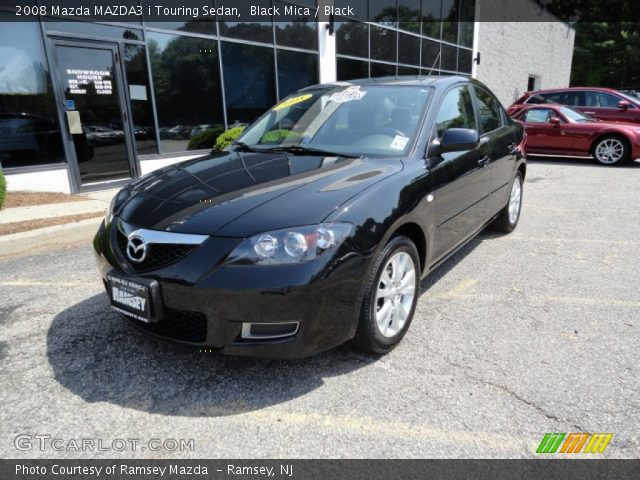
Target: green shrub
x: 205, y: 139
x: 3, y: 188
x: 228, y: 137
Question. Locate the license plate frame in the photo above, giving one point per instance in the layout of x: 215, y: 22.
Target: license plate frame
x: 135, y: 297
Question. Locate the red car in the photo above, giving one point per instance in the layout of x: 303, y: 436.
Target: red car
x: 556, y: 130
x: 601, y: 103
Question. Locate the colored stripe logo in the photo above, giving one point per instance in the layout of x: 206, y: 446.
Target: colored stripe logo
x: 574, y: 442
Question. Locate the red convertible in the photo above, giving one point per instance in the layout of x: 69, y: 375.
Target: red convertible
x: 556, y: 130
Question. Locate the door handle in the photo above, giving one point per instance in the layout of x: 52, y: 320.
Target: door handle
x: 484, y: 161
x: 590, y: 113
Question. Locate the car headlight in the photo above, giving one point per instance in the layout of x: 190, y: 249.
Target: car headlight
x: 290, y: 245
x: 116, y: 202
x: 108, y: 214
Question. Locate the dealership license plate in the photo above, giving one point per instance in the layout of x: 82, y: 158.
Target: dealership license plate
x: 130, y: 298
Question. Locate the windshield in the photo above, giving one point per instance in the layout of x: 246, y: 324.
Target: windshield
x: 574, y: 115
x: 378, y: 120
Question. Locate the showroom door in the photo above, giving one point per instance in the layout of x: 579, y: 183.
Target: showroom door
x: 95, y: 114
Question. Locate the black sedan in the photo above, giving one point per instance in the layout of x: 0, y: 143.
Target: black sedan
x: 316, y: 227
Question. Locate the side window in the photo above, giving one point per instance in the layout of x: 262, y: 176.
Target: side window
x: 456, y: 111
x: 607, y: 100
x: 573, y: 99
x: 537, y: 115
x: 591, y: 100
x: 488, y: 110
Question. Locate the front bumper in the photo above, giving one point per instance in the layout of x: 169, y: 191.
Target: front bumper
x: 204, y: 303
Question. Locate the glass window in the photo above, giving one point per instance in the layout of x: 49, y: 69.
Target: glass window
x: 467, y: 16
x: 29, y: 129
x: 300, y: 32
x: 349, y: 69
x: 488, y: 110
x: 537, y: 115
x: 383, y: 44
x: 186, y: 80
x: 360, y: 8
x: 430, y: 54
x: 352, y: 38
x: 450, y: 16
x: 382, y: 70
x: 409, y: 15
x: 573, y: 98
x: 295, y: 71
x: 456, y: 111
x: 408, y: 71
x: 135, y: 61
x: 94, y: 29
x: 449, y: 58
x: 409, y: 49
x: 606, y: 100
x: 383, y: 11
x: 184, y: 23
x: 249, y: 80
x: 431, y: 17
x: 352, y: 120
x: 253, y: 31
x: 465, y: 60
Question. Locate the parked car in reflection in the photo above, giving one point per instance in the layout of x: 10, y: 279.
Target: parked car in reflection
x: 601, y: 103
x: 297, y: 240
x: 99, y: 134
x: 557, y: 130
x: 26, y: 138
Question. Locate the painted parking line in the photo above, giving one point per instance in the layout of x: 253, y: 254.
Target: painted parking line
x: 35, y: 283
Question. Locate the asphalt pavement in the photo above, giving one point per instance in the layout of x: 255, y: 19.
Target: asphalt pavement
x: 514, y: 337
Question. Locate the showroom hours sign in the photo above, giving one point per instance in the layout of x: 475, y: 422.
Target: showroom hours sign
x: 80, y: 80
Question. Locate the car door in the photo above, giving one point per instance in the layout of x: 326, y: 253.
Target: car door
x: 462, y: 181
x: 604, y: 106
x: 500, y: 139
x: 542, y: 135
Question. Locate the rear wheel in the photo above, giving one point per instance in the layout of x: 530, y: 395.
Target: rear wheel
x: 611, y: 150
x: 390, y: 298
x: 508, y: 218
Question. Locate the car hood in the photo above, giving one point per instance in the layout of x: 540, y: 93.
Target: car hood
x: 238, y: 194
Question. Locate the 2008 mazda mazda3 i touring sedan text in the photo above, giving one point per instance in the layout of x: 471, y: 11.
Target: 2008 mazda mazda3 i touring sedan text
x: 317, y: 225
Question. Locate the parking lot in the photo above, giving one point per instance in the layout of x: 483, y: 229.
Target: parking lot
x: 515, y: 336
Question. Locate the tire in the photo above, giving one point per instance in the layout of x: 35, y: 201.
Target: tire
x: 507, y: 220
x: 611, y: 150
x: 381, y: 337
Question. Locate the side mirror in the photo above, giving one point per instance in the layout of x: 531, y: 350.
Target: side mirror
x: 623, y: 104
x: 555, y: 121
x: 459, y: 139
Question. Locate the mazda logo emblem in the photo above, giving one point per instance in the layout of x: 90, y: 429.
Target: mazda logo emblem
x: 136, y: 249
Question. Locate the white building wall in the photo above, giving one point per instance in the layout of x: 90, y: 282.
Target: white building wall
x: 44, y: 181
x: 512, y: 51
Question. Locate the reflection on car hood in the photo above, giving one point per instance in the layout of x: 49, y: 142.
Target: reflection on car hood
x: 238, y: 194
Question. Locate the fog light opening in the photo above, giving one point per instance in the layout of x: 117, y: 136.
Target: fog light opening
x: 269, y: 331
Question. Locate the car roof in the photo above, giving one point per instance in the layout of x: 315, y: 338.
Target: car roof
x: 574, y: 89
x: 402, y: 80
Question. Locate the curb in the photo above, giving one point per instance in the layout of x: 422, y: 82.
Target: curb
x: 25, y: 243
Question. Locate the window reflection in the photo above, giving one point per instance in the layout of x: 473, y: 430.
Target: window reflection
x: 249, y: 79
x: 350, y: 69
x: 29, y: 129
x: 140, y: 95
x: 296, y: 70
x: 186, y: 80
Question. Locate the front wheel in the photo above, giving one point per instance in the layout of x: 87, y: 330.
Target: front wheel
x: 508, y: 218
x: 390, y: 297
x: 611, y: 150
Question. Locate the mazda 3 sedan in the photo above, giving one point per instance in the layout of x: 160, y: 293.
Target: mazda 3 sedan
x: 317, y: 225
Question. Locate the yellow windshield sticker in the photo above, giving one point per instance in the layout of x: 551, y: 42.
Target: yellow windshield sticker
x: 293, y: 101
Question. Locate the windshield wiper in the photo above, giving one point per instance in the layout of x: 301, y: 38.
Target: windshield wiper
x: 243, y: 147
x: 300, y: 150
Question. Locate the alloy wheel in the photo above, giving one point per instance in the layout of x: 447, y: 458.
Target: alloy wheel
x: 514, y: 200
x: 609, y: 150
x: 395, y: 294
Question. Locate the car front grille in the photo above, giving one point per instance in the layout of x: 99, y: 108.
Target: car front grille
x: 158, y: 255
x: 181, y: 325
